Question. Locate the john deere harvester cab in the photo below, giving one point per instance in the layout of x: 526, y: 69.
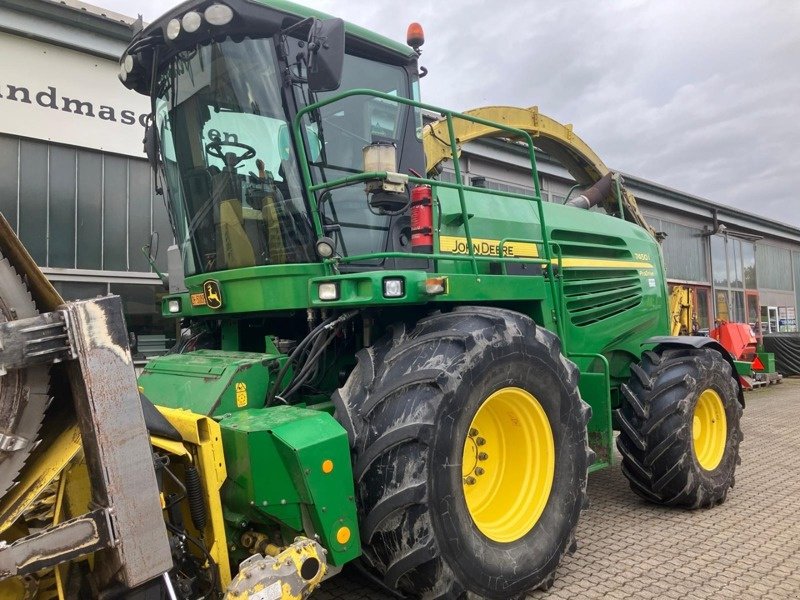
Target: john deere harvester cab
x: 382, y: 364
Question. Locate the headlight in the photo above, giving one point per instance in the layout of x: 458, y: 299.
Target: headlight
x: 174, y: 306
x: 329, y: 291
x: 218, y: 14
x: 394, y: 287
x: 127, y: 63
x: 191, y: 21
x: 173, y: 29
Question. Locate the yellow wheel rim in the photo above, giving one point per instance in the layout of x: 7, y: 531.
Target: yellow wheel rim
x: 508, y: 465
x: 709, y: 429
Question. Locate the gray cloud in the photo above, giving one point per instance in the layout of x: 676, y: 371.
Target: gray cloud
x: 700, y: 96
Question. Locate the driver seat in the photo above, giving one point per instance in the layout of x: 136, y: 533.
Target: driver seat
x: 236, y: 249
x: 233, y: 246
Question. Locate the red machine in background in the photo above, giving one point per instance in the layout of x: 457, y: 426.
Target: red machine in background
x: 741, y: 342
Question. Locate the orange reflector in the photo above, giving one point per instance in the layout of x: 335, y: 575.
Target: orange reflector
x: 435, y: 286
x: 343, y: 535
x: 415, y: 36
x: 757, y: 364
x: 327, y: 466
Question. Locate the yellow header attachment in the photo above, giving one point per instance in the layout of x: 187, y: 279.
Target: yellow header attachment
x: 555, y: 138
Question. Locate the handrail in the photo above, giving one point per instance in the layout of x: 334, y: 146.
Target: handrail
x: 436, y: 256
x: 501, y: 246
x: 449, y: 115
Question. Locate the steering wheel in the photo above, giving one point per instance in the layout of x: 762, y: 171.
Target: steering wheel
x: 215, y: 149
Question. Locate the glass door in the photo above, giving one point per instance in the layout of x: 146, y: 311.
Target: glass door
x: 772, y: 319
x: 753, y: 314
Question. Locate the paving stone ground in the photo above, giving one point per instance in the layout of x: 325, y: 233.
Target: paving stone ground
x: 747, y: 548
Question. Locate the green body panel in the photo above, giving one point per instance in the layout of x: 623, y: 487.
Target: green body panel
x: 210, y: 382
x: 275, y: 462
x: 744, y: 367
x: 352, y: 30
x: 768, y: 360
x: 595, y: 390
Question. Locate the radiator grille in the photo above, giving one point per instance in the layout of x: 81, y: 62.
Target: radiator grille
x: 594, y: 295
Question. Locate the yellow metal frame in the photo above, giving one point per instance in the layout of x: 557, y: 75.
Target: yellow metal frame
x: 681, y: 310
x: 508, y: 464
x: 202, y: 446
x: 555, y: 138
x: 204, y: 438
x: 38, y: 474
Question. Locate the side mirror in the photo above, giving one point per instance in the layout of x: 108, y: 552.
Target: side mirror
x: 151, y: 145
x: 325, y: 55
x: 152, y: 247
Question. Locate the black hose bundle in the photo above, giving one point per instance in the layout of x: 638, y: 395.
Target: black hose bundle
x: 316, y: 341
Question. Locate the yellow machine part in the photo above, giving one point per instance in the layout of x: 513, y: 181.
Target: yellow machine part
x: 682, y: 310
x: 291, y: 574
x: 43, y: 470
x: 555, y: 138
x: 42, y: 291
x: 204, y: 440
x: 56, y: 483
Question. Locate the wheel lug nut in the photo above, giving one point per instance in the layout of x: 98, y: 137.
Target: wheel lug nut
x: 483, y: 456
x: 470, y: 480
x: 480, y: 441
x: 479, y: 471
x: 473, y: 432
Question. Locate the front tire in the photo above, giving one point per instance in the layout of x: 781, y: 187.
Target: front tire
x: 470, y: 454
x: 679, y: 427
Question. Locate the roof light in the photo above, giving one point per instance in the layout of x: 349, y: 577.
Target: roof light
x: 127, y: 63
x: 173, y: 29
x: 325, y: 247
x: 123, y: 74
x: 218, y: 14
x: 191, y: 21
x: 415, y: 36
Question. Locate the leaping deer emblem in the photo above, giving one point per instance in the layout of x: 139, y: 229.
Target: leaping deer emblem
x: 212, y: 293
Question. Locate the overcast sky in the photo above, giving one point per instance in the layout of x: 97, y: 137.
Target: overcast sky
x: 702, y: 96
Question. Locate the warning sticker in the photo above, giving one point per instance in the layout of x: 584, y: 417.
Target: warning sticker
x: 198, y: 299
x: 241, y: 394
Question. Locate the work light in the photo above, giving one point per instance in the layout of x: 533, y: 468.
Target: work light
x: 393, y: 287
x: 173, y: 29
x: 218, y: 14
x: 329, y: 291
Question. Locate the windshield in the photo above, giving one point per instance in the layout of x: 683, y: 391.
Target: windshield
x: 234, y: 190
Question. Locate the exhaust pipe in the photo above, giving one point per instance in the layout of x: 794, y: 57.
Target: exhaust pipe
x: 594, y: 195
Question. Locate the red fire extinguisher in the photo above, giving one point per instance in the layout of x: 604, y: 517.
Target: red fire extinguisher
x: 422, y: 219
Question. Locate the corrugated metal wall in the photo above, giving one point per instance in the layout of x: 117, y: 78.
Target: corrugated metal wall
x: 774, y: 267
x: 76, y: 208
x: 796, y: 261
x: 684, y: 250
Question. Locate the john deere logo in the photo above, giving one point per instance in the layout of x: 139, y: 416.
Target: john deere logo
x: 212, y: 293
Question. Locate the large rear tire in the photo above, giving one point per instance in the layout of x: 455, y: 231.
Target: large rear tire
x: 679, y: 427
x: 470, y: 454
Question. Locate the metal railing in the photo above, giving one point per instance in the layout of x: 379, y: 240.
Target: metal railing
x: 546, y: 260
